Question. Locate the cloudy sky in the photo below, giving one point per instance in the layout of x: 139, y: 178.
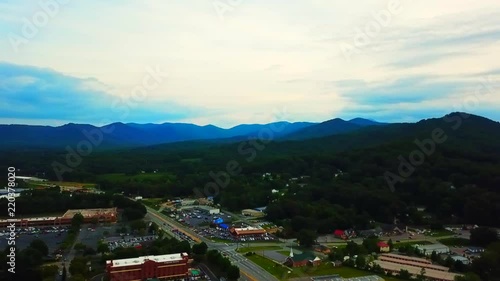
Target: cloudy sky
x: 226, y: 62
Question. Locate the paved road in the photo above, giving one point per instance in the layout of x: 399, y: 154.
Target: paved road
x: 249, y: 270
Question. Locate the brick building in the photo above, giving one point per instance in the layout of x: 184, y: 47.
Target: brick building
x: 163, y: 267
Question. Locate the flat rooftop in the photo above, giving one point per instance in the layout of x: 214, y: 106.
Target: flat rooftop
x: 141, y: 260
x: 414, y: 270
x: 89, y: 212
x: 415, y: 259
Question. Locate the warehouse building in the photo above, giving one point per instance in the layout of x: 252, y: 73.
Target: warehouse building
x: 431, y: 274
x: 247, y: 231
x: 89, y: 216
x: 428, y: 249
x: 252, y: 213
x: 163, y: 267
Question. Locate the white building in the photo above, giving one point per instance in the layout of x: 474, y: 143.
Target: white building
x: 428, y: 249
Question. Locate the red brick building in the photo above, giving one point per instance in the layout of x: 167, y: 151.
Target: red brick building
x: 163, y: 267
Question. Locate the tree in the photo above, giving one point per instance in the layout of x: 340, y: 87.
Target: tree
x: 102, y: 247
x: 49, y: 271
x: 434, y: 256
x: 64, y: 273
x: 306, y: 237
x: 233, y: 272
x: 200, y: 249
x: 80, y: 246
x: 483, y: 236
x: 421, y: 276
x: 78, y: 266
x: 40, y: 246
x: 77, y: 221
x: 361, y: 261
x: 370, y: 245
x: 404, y: 274
x: 391, y: 244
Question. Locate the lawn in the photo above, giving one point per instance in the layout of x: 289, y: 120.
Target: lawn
x: 455, y: 241
x: 120, y: 177
x: 275, y: 269
x: 405, y: 243
x: 281, y: 272
x: 256, y: 249
x: 154, y: 203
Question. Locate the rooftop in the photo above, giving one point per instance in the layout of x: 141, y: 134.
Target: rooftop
x: 435, y: 274
x: 89, y: 212
x: 141, y: 260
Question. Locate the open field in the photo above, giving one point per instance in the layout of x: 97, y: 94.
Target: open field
x: 121, y: 177
x: 455, y: 241
x: 281, y: 272
x: 154, y: 203
x: 61, y: 184
x: 406, y: 243
x: 275, y: 269
x: 256, y: 249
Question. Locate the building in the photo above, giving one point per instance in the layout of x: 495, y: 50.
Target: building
x: 89, y: 216
x: 4, y: 193
x: 428, y: 249
x: 462, y: 259
x: 474, y: 250
x: 306, y: 258
x: 163, y: 267
x: 431, y: 274
x: 383, y: 247
x: 340, y: 234
x: 411, y: 261
x: 252, y: 213
x: 247, y: 231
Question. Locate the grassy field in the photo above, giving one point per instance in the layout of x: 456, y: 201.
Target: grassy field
x: 275, y: 269
x: 154, y: 203
x: 256, y: 249
x: 281, y: 272
x: 61, y: 183
x: 405, y: 243
x: 455, y: 241
x: 120, y: 177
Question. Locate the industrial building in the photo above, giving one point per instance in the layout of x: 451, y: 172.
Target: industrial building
x: 252, y: 213
x: 438, y: 248
x: 163, y: 267
x: 89, y: 216
x: 246, y: 231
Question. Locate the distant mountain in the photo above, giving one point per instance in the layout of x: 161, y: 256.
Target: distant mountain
x: 331, y: 127
x: 135, y: 135
x: 365, y: 122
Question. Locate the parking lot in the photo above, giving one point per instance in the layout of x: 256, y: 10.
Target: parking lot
x: 90, y: 235
x: 52, y: 236
x: 199, y: 217
x: 129, y: 241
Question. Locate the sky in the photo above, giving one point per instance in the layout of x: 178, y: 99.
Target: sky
x: 227, y: 62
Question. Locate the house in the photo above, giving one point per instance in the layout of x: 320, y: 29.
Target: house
x: 428, y: 249
x: 462, y: 259
x: 383, y: 247
x: 306, y: 258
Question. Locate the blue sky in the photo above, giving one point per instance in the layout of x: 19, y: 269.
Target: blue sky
x: 229, y: 62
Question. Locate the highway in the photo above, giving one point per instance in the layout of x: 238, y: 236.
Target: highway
x: 249, y: 270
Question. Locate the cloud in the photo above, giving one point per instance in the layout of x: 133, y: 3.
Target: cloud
x: 44, y: 94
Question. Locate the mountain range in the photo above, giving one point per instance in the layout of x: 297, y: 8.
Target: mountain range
x: 136, y: 135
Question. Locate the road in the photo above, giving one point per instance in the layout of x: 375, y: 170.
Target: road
x: 249, y: 270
